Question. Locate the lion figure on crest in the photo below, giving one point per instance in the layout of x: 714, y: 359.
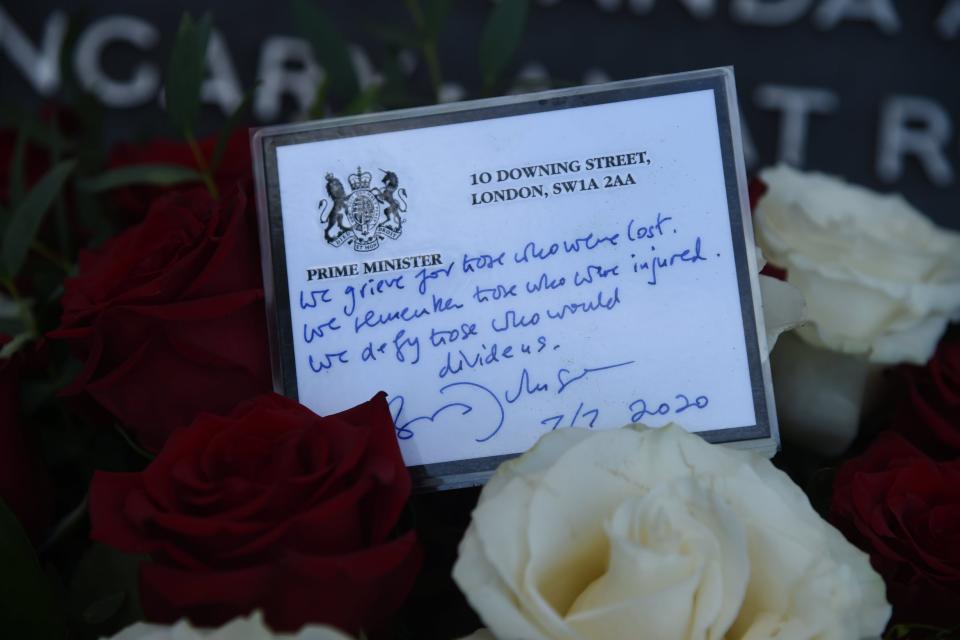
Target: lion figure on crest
x: 337, y: 220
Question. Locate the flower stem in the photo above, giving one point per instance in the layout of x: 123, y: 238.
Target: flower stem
x: 904, y: 630
x: 202, y: 165
x: 433, y: 67
x: 428, y: 46
x: 70, y: 523
x: 11, y: 286
x: 43, y: 250
x: 132, y: 444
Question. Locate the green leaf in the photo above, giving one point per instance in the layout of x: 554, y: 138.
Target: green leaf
x: 27, y: 217
x: 185, y: 71
x: 159, y: 175
x: 93, y: 217
x: 18, y: 342
x: 946, y: 634
x: 35, y: 392
x: 317, y: 110
x: 330, y: 49
x: 136, y: 448
x: 17, y: 179
x: 395, y: 91
x: 398, y: 36
x: 12, y: 320
x: 11, y: 326
x: 28, y: 604
x: 104, y: 588
x: 364, y: 102
x: 228, y: 128
x: 40, y: 133
x: 105, y: 608
x: 435, y: 15
x: 501, y: 37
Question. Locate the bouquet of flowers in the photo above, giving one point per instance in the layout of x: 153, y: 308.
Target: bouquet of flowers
x: 153, y: 486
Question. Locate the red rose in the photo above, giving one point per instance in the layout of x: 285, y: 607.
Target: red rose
x: 929, y: 412
x: 904, y: 509
x: 24, y: 483
x: 168, y: 316
x: 272, y: 508
x: 756, y: 189
x: 234, y: 166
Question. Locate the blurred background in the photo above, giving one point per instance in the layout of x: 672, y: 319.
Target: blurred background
x: 862, y: 88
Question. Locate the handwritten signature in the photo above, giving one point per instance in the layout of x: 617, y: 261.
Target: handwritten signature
x: 478, y: 391
x: 565, y: 381
x: 471, y: 393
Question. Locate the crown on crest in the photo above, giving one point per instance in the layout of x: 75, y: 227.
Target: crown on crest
x: 360, y: 179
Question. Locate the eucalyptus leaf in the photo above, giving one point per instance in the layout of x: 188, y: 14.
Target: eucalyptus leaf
x: 330, y: 49
x: 34, y: 394
x: 501, y: 37
x: 364, y: 102
x: 184, y: 74
x: 17, y: 179
x: 56, y: 292
x: 159, y: 175
x: 18, y: 342
x: 228, y: 128
x: 28, y: 603
x: 9, y: 308
x: 102, y: 610
x: 92, y: 215
x: 36, y: 131
x: 435, y: 15
x: 392, y: 34
x: 130, y: 442
x: 395, y: 92
x: 317, y: 110
x: 11, y: 326
x: 104, y: 587
x: 26, y: 218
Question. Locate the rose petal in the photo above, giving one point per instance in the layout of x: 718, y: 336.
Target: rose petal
x: 783, y: 308
x: 489, y: 593
x: 676, y: 554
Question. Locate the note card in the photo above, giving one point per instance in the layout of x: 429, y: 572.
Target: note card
x: 570, y: 259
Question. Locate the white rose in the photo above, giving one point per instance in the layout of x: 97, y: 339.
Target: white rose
x: 656, y: 534
x: 878, y: 277
x: 251, y: 628
x: 782, y: 306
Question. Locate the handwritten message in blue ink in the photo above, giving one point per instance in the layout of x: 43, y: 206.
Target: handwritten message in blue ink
x: 499, y: 280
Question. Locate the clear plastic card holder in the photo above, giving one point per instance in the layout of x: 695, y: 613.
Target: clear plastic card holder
x: 762, y: 435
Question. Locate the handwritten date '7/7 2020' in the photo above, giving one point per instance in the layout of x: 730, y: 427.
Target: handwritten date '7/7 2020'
x: 460, y: 398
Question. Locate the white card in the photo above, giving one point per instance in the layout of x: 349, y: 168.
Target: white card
x: 503, y: 268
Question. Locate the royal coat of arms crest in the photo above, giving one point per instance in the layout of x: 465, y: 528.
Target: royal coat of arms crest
x: 365, y: 216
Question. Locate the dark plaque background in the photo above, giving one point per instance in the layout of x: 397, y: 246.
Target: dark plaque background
x: 863, y: 88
